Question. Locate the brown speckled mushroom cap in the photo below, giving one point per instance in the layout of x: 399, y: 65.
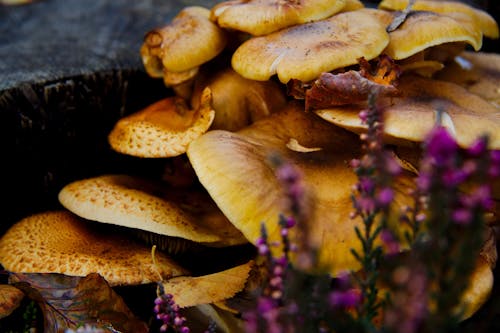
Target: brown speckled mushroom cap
x: 410, y: 116
x: 422, y: 30
x: 235, y: 170
x: 484, y: 20
x: 163, y: 129
x: 238, y: 101
x: 136, y: 203
x: 478, y: 72
x: 262, y: 17
x: 188, y: 41
x: 305, y: 51
x: 60, y: 242
x: 208, y: 289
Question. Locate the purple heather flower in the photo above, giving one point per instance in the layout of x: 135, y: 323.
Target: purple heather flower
x: 462, y: 216
x: 168, y: 312
x: 441, y: 146
x: 390, y: 242
x: 345, y: 298
x: 363, y: 115
x: 481, y: 197
x: 391, y: 166
x: 478, y: 147
x: 385, y: 197
x: 494, y: 168
x: 366, y: 184
x: 453, y: 178
x: 366, y: 205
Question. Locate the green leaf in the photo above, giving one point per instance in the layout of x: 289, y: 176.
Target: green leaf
x: 70, y: 302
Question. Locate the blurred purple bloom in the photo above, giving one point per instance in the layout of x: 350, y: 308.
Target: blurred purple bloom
x: 462, y: 216
x: 478, y: 147
x: 441, y: 146
x: 390, y: 242
x: 385, y: 197
x: 345, y: 298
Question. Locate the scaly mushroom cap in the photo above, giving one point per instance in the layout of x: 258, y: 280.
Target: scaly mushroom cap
x: 208, y: 289
x: 478, y: 72
x: 262, y: 17
x: 235, y: 169
x: 237, y: 101
x: 484, y: 20
x: 189, y: 41
x: 412, y: 115
x: 60, y: 242
x: 136, y: 203
x: 422, y: 30
x: 163, y: 129
x: 305, y: 51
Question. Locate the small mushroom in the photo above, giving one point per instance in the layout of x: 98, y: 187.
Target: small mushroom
x: 60, y: 242
x: 163, y: 129
x: 478, y: 72
x: 238, y: 101
x: 410, y: 116
x: 235, y: 170
x: 484, y: 20
x: 423, y: 30
x: 136, y: 203
x: 187, y: 42
x: 262, y: 17
x: 208, y: 289
x: 305, y: 51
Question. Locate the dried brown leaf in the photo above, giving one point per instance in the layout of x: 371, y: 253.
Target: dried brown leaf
x: 69, y: 302
x: 350, y: 87
x: 10, y: 299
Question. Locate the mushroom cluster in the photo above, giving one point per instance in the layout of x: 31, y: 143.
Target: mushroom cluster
x: 257, y: 78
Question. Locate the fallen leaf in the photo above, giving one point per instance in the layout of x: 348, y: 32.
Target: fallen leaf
x: 350, y: 87
x: 10, y: 299
x: 70, y: 302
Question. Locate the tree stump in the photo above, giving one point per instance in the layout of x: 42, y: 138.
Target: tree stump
x: 68, y: 70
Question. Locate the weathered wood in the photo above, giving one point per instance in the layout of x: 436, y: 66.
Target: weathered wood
x: 54, y: 39
x: 68, y: 70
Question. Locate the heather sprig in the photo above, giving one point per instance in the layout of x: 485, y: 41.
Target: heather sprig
x: 455, y: 223
x: 373, y: 195
x: 168, y: 312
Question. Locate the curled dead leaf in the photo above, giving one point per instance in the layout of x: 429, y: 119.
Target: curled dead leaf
x: 10, y: 299
x: 69, y: 302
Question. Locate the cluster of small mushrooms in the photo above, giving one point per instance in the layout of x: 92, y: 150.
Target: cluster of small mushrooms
x: 255, y: 78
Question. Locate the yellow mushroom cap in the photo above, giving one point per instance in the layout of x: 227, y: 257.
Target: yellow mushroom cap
x: 351, y: 5
x: 238, y: 101
x: 481, y: 280
x: 410, y: 116
x: 208, y: 289
x: 60, y: 242
x: 134, y: 202
x: 235, y: 170
x: 262, y: 17
x: 478, y: 72
x: 163, y: 129
x: 422, y: 30
x: 189, y: 41
x: 305, y: 51
x: 484, y: 20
